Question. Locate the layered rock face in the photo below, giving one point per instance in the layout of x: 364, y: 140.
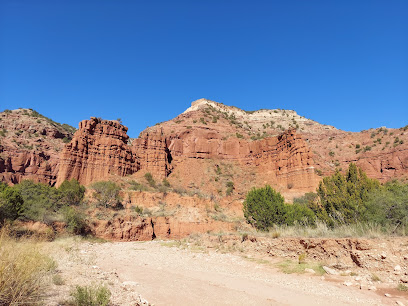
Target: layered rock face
x: 19, y: 165
x: 29, y: 146
x: 144, y: 229
x: 153, y: 154
x: 98, y: 149
x: 288, y: 158
x: 285, y: 159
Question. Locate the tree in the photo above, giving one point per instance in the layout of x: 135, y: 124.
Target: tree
x: 41, y: 201
x: 72, y: 193
x: 264, y: 207
x: 106, y: 193
x: 11, y: 203
x: 343, y: 197
x: 388, y: 205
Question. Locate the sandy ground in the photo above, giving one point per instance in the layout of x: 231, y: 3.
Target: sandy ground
x: 152, y: 272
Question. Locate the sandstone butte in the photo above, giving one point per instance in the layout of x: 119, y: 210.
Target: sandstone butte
x: 205, y: 147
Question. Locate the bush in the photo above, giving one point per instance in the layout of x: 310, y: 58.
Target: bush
x: 138, y: 209
x: 137, y: 186
x: 149, y: 178
x: 41, y: 201
x: 342, y: 197
x: 306, y: 199
x: 75, y: 221
x: 388, y: 205
x: 230, y: 188
x: 11, y: 203
x: 106, y: 193
x: 90, y: 296
x: 72, y: 193
x: 166, y: 183
x: 24, y: 271
x: 299, y: 214
x: 264, y: 207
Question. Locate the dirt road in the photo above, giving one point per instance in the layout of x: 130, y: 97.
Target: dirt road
x: 173, y: 276
x: 162, y: 275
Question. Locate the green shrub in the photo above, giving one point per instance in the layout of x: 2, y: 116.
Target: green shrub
x: 106, y: 193
x: 264, y: 207
x: 75, y: 220
x: 388, y: 205
x: 138, y: 210
x: 342, y: 197
x: 230, y: 188
x: 137, y: 186
x: 11, y: 203
x: 166, y: 183
x: 149, y: 178
x: 306, y: 199
x: 95, y: 295
x: 72, y: 193
x: 41, y: 201
x: 318, y: 172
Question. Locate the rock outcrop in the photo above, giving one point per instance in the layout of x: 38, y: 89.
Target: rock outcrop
x: 286, y: 158
x: 153, y: 154
x: 30, y: 145
x: 21, y: 164
x: 144, y: 229
x: 98, y: 149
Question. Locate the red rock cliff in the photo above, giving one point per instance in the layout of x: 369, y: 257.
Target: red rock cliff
x: 98, y: 149
x: 284, y: 160
x: 152, y: 153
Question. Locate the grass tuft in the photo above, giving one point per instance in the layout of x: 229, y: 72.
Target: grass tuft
x: 94, y: 295
x: 24, y: 271
x: 289, y: 267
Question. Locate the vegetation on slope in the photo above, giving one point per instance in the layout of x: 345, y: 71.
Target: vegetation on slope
x: 32, y: 201
x: 340, y: 200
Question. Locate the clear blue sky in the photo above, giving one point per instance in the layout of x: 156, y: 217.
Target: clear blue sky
x: 343, y: 63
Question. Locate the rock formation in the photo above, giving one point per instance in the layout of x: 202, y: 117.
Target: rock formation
x: 98, y: 149
x: 205, y: 148
x: 29, y: 146
x: 153, y: 154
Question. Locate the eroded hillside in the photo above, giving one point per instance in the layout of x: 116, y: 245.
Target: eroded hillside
x: 30, y: 145
x: 216, y: 149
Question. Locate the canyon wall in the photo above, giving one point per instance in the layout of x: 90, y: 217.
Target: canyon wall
x: 98, y: 149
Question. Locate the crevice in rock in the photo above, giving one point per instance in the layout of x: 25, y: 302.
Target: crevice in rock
x: 152, y: 224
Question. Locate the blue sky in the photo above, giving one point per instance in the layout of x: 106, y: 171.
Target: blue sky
x: 343, y: 63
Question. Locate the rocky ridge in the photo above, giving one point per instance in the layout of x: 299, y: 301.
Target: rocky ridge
x: 207, y: 147
x: 30, y: 145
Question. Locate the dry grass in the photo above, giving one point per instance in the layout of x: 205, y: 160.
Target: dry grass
x: 289, y: 266
x: 321, y: 230
x: 24, y: 271
x: 93, y: 295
